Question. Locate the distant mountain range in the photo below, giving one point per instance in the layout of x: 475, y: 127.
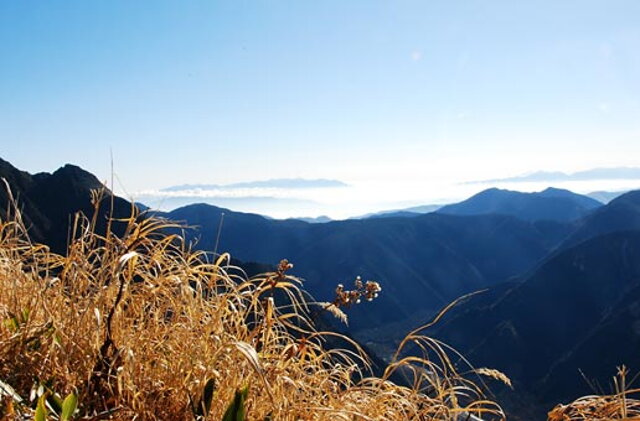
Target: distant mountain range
x: 613, y: 173
x: 316, y: 220
x: 405, y: 212
x: 273, y: 204
x: 606, y: 196
x: 281, y: 183
x: 395, y: 213
x: 562, y: 272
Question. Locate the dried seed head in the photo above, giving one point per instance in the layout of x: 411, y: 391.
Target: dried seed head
x: 368, y: 290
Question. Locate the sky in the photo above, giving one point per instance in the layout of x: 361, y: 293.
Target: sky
x: 402, y: 100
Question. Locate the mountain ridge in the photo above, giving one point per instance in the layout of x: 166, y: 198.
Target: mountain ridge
x: 48, y: 200
x: 549, y: 204
x: 602, y: 173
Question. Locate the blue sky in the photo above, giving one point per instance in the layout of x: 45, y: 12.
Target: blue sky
x: 398, y: 95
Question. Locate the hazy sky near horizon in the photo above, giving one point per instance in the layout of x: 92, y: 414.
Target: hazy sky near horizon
x: 377, y: 93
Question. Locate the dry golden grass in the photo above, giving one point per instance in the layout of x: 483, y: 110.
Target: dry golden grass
x: 624, y: 404
x: 138, y: 325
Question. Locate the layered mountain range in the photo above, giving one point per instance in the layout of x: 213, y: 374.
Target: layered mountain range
x: 570, y: 322
x: 561, y: 270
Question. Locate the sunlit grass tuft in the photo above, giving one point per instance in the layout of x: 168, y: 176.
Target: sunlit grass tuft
x: 623, y: 404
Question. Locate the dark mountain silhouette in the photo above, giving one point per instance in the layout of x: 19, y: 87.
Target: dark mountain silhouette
x: 550, y: 204
x: 561, y: 319
x: 423, y: 262
x: 49, y: 201
x: 619, y: 329
x: 622, y: 213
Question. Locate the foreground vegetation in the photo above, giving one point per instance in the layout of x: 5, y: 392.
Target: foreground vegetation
x: 141, y: 327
